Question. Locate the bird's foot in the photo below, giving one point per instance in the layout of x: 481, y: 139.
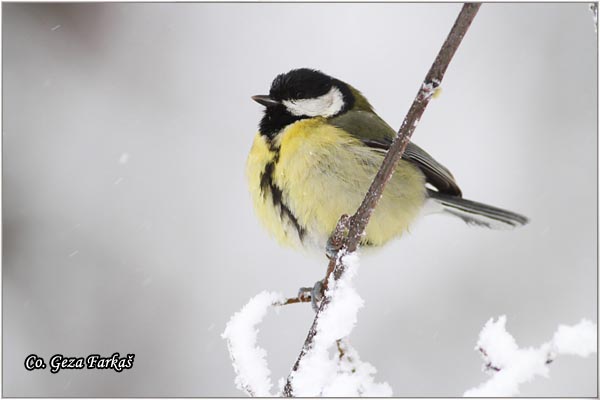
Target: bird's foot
x: 332, y: 248
x: 316, y: 294
x: 337, y: 239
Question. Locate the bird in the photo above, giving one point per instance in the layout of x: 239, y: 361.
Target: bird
x: 319, y: 145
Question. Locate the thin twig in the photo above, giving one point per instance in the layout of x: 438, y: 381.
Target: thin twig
x: 340, y: 348
x: 550, y: 357
x: 359, y: 221
x: 349, y: 230
x: 294, y: 300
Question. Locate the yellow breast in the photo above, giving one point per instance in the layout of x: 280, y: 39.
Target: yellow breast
x: 320, y: 172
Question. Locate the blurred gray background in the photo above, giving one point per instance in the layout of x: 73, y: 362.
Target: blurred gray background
x: 128, y: 227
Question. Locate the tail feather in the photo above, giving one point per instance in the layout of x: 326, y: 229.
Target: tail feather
x: 474, y: 213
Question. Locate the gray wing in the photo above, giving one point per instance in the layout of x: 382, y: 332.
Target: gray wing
x: 376, y: 133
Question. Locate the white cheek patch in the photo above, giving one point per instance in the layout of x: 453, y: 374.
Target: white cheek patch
x: 324, y: 106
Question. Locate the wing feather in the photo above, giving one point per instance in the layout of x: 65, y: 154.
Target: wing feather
x: 377, y: 134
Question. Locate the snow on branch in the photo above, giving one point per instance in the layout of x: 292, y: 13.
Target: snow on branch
x: 512, y: 366
x: 579, y: 340
x: 354, y: 377
x: 321, y: 374
x: 249, y: 360
x: 332, y: 367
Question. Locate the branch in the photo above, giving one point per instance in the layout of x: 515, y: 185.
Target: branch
x: 294, y: 300
x: 349, y: 231
x: 359, y: 221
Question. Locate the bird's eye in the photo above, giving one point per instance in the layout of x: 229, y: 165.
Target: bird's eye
x: 299, y: 94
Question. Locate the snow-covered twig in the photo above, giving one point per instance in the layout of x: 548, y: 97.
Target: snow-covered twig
x: 354, y: 377
x: 512, y: 366
x: 320, y: 373
x: 249, y: 360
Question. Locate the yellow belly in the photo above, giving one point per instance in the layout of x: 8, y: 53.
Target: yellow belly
x: 323, y: 173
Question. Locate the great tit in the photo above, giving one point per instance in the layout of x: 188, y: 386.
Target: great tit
x: 318, y: 148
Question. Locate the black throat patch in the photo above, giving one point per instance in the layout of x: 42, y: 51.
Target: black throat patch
x: 275, y: 120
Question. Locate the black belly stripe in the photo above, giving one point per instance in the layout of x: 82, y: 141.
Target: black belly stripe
x: 268, y: 186
x: 276, y: 195
x: 266, y: 179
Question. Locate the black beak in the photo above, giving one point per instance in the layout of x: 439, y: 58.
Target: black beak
x: 265, y: 100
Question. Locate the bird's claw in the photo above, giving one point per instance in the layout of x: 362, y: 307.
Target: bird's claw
x: 304, y: 293
x: 316, y: 294
x: 331, y: 249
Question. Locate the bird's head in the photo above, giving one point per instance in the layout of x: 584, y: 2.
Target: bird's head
x: 305, y: 93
